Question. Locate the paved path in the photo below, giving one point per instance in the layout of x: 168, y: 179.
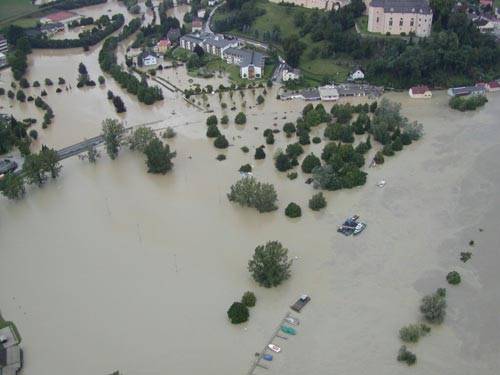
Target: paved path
x: 206, y: 27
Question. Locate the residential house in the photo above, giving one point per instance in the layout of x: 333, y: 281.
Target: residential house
x: 328, y: 93
x: 3, y: 59
x: 211, y: 3
x: 355, y: 89
x: 11, y: 356
x: 289, y: 73
x: 485, y: 3
x: 50, y: 29
x: 62, y: 16
x: 4, y: 48
x: 400, y: 16
x: 149, y: 60
x: 251, y: 62
x: 196, y: 25
x: 173, y: 35
x: 356, y: 74
x: 493, y: 86
x: 420, y: 92
x: 162, y: 46
x: 201, y: 13
x: 467, y: 90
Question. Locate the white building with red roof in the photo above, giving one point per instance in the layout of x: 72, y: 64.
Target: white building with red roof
x: 162, y: 46
x: 420, y: 92
x: 62, y: 16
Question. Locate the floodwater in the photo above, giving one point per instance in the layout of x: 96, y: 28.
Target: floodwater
x: 110, y: 267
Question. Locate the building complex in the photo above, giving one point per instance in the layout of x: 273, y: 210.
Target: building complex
x: 400, y: 16
x: 251, y: 62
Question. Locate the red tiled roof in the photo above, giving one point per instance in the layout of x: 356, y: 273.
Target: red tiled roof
x: 60, y: 16
x: 197, y: 23
x: 422, y: 89
x: 494, y: 84
x: 164, y: 42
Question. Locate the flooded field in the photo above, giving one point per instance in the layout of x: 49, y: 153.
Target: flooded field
x: 110, y: 267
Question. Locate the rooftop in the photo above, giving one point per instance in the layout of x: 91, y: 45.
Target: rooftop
x: 403, y: 6
x: 421, y: 89
x: 247, y: 57
x: 60, y: 16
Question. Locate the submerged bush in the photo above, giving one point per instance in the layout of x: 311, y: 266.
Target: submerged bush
x: 433, y: 306
x: 453, y: 278
x: 221, y: 142
x: 317, y: 202
x: 248, y: 299
x: 251, y: 193
x: 404, y: 355
x: 238, y: 313
x: 413, y: 332
x: 246, y: 168
x: 293, y: 210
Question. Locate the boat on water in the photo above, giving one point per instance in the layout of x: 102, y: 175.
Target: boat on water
x: 268, y: 357
x: 292, y: 320
x: 359, y: 228
x: 301, y: 302
x: 274, y: 348
x: 288, y: 330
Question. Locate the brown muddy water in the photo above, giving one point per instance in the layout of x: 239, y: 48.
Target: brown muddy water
x: 110, y: 267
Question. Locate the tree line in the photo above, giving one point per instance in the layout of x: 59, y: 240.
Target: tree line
x: 107, y: 61
x: 85, y: 39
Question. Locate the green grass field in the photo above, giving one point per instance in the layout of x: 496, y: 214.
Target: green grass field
x: 15, y: 8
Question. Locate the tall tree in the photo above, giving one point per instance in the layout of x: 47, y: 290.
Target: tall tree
x: 269, y: 265
x: 50, y: 161
x: 113, y: 133
x: 159, y: 157
x: 293, y: 49
x: 34, y: 170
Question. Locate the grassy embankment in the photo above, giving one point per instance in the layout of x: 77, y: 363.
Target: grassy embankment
x: 4, y: 324
x: 314, y: 69
x: 12, y: 12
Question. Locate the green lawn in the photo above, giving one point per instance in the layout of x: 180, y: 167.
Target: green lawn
x: 14, y: 8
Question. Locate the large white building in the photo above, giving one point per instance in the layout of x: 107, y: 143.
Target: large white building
x: 251, y: 62
x: 400, y: 16
x: 4, y: 48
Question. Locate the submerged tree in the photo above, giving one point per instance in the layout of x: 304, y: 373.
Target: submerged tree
x: 238, y: 313
x: 33, y: 169
x: 140, y: 138
x: 159, y: 157
x: 251, y: 193
x: 433, y: 307
x: 50, y: 161
x: 113, y: 133
x: 269, y: 265
x: 12, y: 186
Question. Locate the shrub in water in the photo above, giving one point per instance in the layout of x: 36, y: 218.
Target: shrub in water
x: 404, y: 355
x: 453, y: 278
x: 248, y: 299
x: 247, y: 168
x: 317, y: 202
x: 413, y: 332
x: 238, y: 313
x: 221, y: 142
x: 293, y: 210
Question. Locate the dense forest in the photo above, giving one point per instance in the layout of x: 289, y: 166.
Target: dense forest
x: 71, y: 4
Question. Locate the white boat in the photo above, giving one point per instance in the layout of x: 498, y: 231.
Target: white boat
x: 292, y: 320
x: 274, y: 348
x: 359, y: 228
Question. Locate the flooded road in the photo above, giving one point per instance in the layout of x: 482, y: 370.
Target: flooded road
x: 111, y: 268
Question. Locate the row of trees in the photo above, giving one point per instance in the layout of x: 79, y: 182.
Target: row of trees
x: 85, y: 39
x: 107, y: 61
x: 71, y: 4
x: 468, y: 104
